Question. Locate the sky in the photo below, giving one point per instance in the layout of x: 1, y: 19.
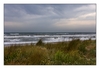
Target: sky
x: 49, y: 18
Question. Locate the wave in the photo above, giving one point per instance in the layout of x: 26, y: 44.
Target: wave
x: 14, y: 33
x: 12, y: 40
x: 51, y: 40
x: 87, y: 35
x: 24, y: 39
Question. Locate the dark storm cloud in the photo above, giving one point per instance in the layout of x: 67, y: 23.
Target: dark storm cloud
x: 49, y: 17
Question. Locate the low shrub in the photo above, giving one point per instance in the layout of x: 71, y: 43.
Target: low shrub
x: 73, y: 45
x: 39, y: 42
x: 59, y: 57
x: 82, y: 49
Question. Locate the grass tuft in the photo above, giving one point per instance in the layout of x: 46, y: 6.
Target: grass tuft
x: 39, y: 42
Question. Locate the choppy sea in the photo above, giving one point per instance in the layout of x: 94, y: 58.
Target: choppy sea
x: 46, y: 37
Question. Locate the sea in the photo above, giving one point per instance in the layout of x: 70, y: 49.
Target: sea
x: 47, y: 37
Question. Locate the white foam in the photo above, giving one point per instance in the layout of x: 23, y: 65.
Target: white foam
x: 87, y: 35
x: 16, y: 36
x: 84, y: 38
x: 14, y: 40
x: 93, y: 38
x: 47, y: 38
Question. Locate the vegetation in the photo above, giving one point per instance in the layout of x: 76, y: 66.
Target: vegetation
x: 74, y: 52
x: 39, y: 42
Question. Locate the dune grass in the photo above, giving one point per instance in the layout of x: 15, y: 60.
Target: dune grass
x: 74, y: 52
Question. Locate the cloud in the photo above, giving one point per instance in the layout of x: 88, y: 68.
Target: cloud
x: 76, y: 25
x: 49, y: 17
x: 86, y: 7
x: 82, y: 21
x: 88, y: 15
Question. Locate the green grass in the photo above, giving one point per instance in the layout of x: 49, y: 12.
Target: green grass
x: 74, y: 52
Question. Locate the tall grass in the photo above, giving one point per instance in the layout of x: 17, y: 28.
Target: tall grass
x: 25, y: 55
x: 75, y: 52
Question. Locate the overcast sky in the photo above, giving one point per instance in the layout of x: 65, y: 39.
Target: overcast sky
x: 49, y: 17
